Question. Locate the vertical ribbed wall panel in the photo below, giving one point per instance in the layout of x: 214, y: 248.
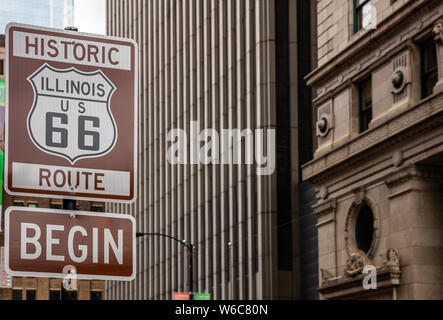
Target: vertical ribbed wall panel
x: 210, y: 61
x: 213, y: 212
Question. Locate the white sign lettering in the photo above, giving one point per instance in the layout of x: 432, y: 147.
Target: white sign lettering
x: 70, y: 50
x: 53, y: 178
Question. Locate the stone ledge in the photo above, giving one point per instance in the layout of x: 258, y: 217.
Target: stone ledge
x: 403, y: 175
x: 424, y: 116
x: 345, y: 288
x: 324, y: 208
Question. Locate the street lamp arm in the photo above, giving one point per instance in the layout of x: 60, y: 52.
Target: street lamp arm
x: 142, y: 234
x: 187, y: 245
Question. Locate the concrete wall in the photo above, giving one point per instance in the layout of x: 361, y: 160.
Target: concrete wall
x: 226, y: 64
x: 336, y: 20
x: 211, y: 61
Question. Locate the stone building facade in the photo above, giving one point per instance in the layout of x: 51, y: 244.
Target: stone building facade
x: 378, y: 164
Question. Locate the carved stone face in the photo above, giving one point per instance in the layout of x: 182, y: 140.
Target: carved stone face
x: 438, y: 31
x: 392, y: 255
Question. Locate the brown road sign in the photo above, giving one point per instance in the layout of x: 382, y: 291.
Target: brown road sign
x: 47, y: 244
x: 71, y: 115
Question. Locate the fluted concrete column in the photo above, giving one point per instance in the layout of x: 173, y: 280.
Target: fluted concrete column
x: 211, y: 61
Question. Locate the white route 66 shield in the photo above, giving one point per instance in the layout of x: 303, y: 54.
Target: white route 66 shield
x: 70, y: 116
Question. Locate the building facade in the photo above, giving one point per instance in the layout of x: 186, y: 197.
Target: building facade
x: 49, y: 13
x: 226, y: 64
x: 377, y: 168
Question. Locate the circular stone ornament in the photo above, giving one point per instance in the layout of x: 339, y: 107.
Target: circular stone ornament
x: 323, y: 125
x: 398, y: 79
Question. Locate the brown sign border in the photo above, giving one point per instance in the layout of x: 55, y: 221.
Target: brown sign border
x: 64, y: 194
x: 68, y: 213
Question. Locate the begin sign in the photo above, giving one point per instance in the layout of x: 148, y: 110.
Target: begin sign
x: 99, y: 246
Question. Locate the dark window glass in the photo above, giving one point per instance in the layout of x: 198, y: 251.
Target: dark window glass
x: 19, y: 204
x: 365, y: 104
x: 362, y: 14
x: 364, y: 229
x: 96, y: 295
x: 2, y: 72
x: 54, y: 295
x: 17, y: 295
x: 97, y: 208
x: 429, y: 67
x: 55, y: 206
x: 69, y: 295
x: 30, y: 294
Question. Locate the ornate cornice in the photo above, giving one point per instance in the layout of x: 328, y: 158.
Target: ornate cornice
x: 356, y: 263
x: 369, y: 39
x: 423, y: 117
x: 398, y: 178
x: 438, y: 31
x: 350, y: 284
x: 325, y: 207
x: 413, y: 171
